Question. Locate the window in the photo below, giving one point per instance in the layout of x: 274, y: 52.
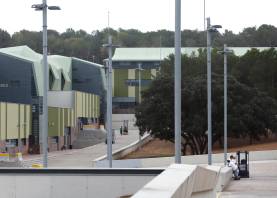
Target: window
x: 51, y: 79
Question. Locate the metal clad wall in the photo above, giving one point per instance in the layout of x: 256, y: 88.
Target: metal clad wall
x: 86, y: 78
x: 15, y: 87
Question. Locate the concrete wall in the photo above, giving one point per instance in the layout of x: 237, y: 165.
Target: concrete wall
x: 203, y: 159
x: 119, y: 154
x: 184, y: 181
x: 70, y: 185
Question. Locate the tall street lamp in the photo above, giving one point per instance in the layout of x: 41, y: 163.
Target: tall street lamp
x: 110, y: 47
x: 44, y: 117
x: 139, y: 91
x: 210, y: 29
x: 225, y: 52
x: 177, y: 82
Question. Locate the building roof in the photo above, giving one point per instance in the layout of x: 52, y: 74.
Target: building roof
x: 158, y: 54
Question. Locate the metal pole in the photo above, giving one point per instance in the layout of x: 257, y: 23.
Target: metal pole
x: 204, y: 15
x: 209, y: 87
x: 139, y: 93
x: 177, y: 82
x: 139, y: 83
x: 109, y: 105
x: 45, y: 89
x: 225, y: 104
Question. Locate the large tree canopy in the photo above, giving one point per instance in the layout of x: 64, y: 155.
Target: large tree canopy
x: 251, y: 113
x: 88, y: 45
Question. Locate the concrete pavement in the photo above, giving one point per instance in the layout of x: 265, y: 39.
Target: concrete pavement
x: 82, y: 158
x: 262, y: 182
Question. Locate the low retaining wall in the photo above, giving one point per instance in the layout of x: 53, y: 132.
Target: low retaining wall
x: 118, y: 154
x: 186, y: 181
x: 72, y: 183
x: 199, y: 159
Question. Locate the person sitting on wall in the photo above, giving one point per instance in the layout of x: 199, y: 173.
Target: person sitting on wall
x: 233, y: 163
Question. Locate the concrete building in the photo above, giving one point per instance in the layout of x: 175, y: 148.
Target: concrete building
x: 76, y: 90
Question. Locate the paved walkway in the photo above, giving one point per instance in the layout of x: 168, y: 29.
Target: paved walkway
x: 262, y: 182
x: 82, y: 157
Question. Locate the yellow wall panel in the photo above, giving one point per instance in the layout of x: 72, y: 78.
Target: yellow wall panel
x: 98, y: 107
x: 28, y: 121
x: 73, y: 117
x: 79, y: 107
x: 131, y: 89
x: 93, y: 106
x: 21, y: 121
x: 2, y: 121
x: 12, y: 121
x: 89, y: 105
x: 83, y: 105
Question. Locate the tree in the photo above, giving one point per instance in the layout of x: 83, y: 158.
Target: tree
x: 5, y: 38
x: 251, y: 113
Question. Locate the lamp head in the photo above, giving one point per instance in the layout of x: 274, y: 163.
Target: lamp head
x: 54, y: 8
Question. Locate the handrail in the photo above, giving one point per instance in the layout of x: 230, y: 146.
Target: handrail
x: 77, y: 171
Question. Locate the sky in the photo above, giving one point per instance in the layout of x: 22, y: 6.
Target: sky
x: 145, y: 15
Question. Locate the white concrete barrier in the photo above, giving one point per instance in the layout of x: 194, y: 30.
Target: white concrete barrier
x: 224, y: 178
x: 183, y: 181
x: 120, y: 153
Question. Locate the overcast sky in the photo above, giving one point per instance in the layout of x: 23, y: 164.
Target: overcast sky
x: 145, y: 15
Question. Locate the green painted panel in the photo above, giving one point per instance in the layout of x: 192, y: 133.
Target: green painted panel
x: 53, y: 120
x: 145, y: 75
x: 61, y: 129
x: 120, y: 88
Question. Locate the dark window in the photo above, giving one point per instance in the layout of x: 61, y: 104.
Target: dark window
x: 135, y: 82
x: 63, y: 82
x: 51, y: 79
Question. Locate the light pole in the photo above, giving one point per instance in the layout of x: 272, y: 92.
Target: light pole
x: 139, y: 91
x: 44, y: 117
x: 210, y: 30
x: 110, y: 47
x: 225, y: 52
x: 177, y: 82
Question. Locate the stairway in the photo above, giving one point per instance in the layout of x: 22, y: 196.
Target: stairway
x: 88, y: 138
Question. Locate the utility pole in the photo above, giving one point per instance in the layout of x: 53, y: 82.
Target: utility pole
x: 209, y: 94
x: 110, y: 47
x: 139, y: 94
x: 210, y: 30
x: 225, y: 52
x: 177, y: 82
x: 44, y: 117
